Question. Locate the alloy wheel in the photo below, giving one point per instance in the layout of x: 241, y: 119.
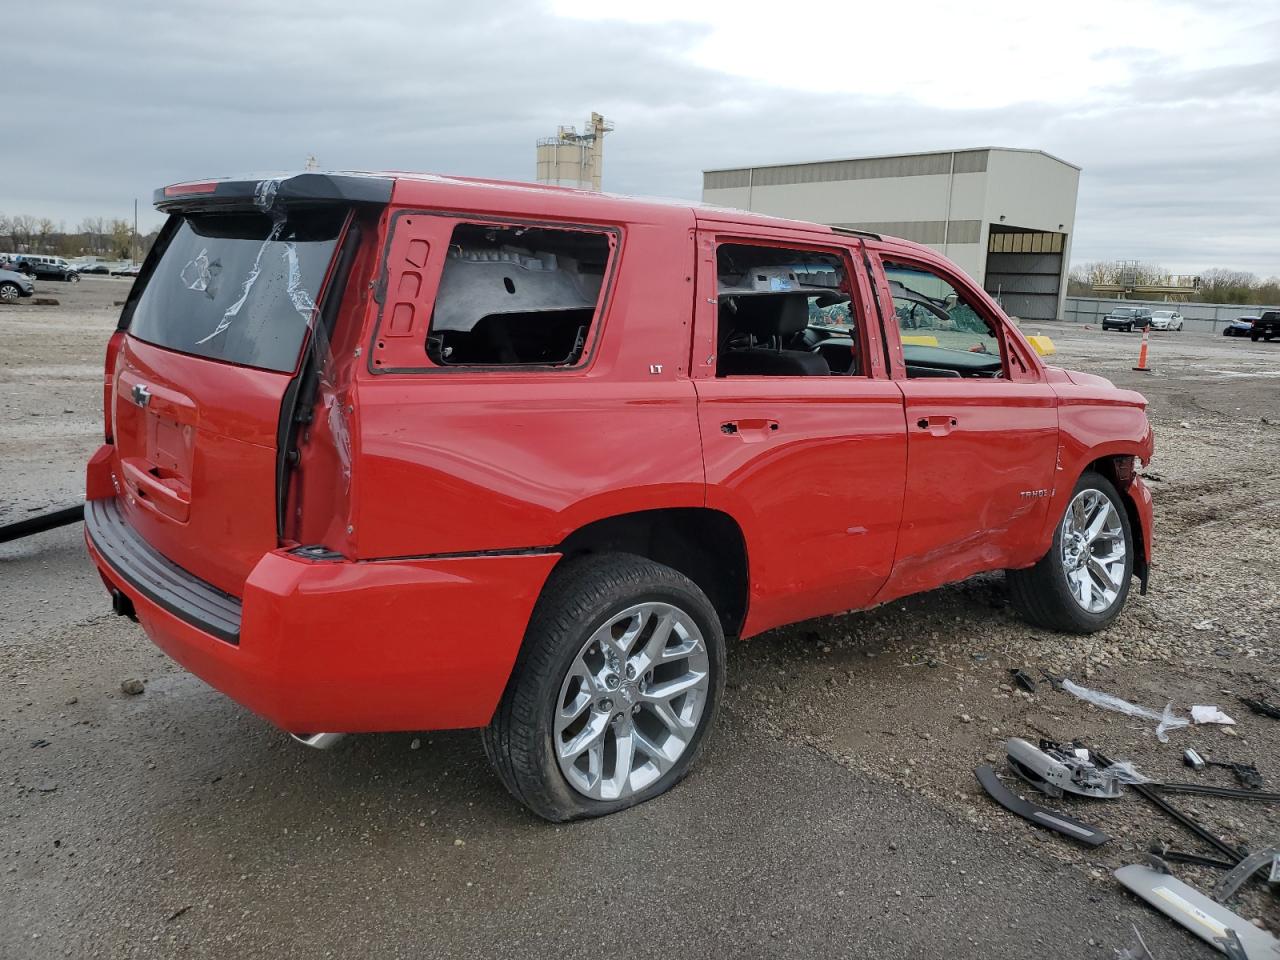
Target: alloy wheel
x: 632, y: 701
x: 8, y: 293
x: 1093, y: 550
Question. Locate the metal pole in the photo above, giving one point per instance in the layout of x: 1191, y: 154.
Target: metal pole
x: 133, y: 244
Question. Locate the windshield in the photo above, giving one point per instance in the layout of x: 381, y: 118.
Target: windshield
x: 239, y: 287
x: 1163, y: 314
x: 1123, y: 312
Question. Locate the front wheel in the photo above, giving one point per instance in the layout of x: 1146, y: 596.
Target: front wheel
x: 615, y: 688
x: 1080, y: 585
x: 9, y: 292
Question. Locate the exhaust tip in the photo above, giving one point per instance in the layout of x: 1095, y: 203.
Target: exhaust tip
x: 318, y: 741
x: 122, y: 606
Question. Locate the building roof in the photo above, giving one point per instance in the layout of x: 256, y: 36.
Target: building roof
x: 892, y: 156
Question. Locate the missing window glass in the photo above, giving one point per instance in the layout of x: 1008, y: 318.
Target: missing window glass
x: 512, y: 296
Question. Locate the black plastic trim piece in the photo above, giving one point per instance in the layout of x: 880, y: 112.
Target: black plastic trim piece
x: 158, y: 578
x: 38, y: 524
x: 1230, y: 793
x: 1040, y: 816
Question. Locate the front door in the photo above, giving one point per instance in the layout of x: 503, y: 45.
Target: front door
x: 982, y: 431
x: 802, y: 431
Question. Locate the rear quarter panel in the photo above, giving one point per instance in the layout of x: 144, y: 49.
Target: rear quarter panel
x: 456, y: 461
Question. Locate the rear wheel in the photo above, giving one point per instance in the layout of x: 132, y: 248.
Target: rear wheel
x: 614, y: 690
x: 1081, y: 584
x: 9, y: 292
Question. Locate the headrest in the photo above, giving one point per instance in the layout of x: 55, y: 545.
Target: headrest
x: 768, y: 315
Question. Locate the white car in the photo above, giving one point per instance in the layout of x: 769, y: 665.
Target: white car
x: 1166, y: 320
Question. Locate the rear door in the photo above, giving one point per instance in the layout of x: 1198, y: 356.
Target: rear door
x: 214, y: 339
x: 810, y: 457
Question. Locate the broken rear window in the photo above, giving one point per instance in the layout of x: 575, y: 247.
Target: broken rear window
x: 239, y: 287
x: 517, y: 296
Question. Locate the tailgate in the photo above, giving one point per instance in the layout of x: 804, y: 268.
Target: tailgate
x: 215, y: 339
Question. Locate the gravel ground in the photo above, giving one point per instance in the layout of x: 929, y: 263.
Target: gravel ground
x: 835, y: 811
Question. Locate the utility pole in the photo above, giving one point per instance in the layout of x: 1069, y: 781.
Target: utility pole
x: 133, y: 244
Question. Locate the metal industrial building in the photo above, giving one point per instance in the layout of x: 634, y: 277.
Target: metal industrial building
x: 1004, y: 215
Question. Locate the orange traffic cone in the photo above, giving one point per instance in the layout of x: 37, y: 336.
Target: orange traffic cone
x: 1142, y: 355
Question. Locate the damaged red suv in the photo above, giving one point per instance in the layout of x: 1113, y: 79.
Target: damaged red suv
x: 398, y: 452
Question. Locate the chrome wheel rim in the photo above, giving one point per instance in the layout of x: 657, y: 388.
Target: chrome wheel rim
x: 8, y: 292
x: 1093, y: 550
x: 631, y: 702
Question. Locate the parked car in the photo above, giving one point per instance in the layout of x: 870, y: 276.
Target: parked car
x: 125, y: 270
x: 1266, y: 327
x: 1166, y: 320
x: 14, y: 286
x: 546, y: 450
x: 97, y: 267
x: 49, y: 268
x: 1240, y: 327
x: 1126, y: 318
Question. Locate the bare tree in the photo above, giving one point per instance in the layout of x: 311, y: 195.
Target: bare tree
x: 121, y: 236
x: 95, y: 233
x: 21, y: 227
x: 45, y: 229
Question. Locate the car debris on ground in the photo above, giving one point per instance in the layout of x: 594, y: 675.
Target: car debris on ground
x: 1261, y: 706
x: 1056, y: 769
x: 1166, y: 720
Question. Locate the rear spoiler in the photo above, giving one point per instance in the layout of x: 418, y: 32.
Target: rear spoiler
x: 298, y: 188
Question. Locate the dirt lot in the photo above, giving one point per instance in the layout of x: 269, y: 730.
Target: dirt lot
x: 836, y: 812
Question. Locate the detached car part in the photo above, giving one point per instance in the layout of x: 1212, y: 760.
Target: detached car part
x: 1264, y: 707
x: 1163, y: 851
x: 1190, y: 908
x: 1200, y: 830
x: 38, y: 524
x: 1246, y: 868
x: 1055, y: 768
x: 1231, y: 793
x: 1040, y: 816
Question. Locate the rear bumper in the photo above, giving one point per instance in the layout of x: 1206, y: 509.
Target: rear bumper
x: 355, y: 647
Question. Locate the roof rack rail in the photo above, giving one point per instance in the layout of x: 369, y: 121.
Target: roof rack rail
x: 851, y: 232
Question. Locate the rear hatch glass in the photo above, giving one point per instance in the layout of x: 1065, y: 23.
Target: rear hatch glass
x: 239, y: 287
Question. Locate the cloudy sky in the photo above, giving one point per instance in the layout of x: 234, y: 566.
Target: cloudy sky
x: 1172, y: 109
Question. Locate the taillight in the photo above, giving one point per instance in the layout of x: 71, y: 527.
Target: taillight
x: 108, y: 377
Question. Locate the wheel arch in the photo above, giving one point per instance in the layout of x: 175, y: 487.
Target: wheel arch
x: 1121, y: 470
x: 705, y: 545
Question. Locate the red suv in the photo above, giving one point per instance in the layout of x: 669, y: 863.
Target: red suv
x: 399, y: 452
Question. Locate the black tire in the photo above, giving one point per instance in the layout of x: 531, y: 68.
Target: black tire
x: 580, y: 596
x: 1254, y: 337
x: 1040, y: 593
x: 10, y: 292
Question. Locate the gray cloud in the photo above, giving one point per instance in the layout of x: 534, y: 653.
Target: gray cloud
x: 1179, y: 167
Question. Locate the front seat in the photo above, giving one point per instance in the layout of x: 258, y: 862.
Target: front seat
x: 773, y: 318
